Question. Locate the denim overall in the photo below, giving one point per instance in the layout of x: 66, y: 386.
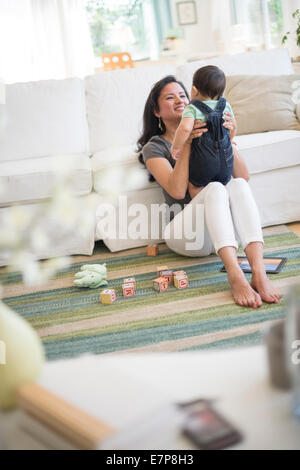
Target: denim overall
x: 211, y: 156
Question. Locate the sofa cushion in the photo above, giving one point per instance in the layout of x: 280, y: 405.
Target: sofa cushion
x: 262, y: 103
x: 33, y: 179
x: 114, y: 155
x: 129, y: 222
x: 277, y: 193
x: 115, y: 103
x: 44, y: 118
x: 269, y: 62
x: 269, y: 150
x: 117, y: 169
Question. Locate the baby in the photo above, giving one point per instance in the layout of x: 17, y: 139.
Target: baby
x: 211, y: 156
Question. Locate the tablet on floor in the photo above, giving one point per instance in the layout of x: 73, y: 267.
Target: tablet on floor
x: 273, y: 264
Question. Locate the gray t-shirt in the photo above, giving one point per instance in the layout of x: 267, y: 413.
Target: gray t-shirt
x: 158, y: 147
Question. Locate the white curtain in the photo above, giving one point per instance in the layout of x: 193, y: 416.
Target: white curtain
x: 220, y: 19
x: 44, y: 39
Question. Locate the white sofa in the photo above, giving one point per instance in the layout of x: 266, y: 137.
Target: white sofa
x: 94, y: 124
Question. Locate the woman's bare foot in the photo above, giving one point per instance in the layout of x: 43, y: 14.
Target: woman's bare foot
x: 265, y: 288
x: 242, y: 292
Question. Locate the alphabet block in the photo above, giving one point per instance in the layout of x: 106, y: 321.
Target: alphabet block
x: 160, y: 284
x: 168, y: 274
x: 181, y: 282
x: 159, y: 270
x: 152, y: 250
x: 107, y: 296
x: 128, y: 289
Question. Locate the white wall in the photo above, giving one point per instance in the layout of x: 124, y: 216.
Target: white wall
x: 211, y: 33
x: 214, y: 32
x: 289, y: 6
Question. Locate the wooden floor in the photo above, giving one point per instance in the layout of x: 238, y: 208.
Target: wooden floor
x: 295, y: 226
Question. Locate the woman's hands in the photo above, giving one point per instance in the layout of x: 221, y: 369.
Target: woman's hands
x: 198, y: 129
x: 230, y: 124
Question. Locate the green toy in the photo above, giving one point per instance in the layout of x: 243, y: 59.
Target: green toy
x: 91, y: 275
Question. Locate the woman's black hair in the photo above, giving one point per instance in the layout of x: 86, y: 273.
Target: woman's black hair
x: 150, y: 121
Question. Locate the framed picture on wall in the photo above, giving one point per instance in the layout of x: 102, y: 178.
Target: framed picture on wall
x: 186, y: 12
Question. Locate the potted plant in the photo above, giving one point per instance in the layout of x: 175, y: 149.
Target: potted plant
x: 295, y: 15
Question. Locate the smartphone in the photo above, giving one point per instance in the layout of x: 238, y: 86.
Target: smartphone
x: 207, y: 428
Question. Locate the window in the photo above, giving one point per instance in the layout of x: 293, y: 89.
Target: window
x: 135, y: 26
x: 259, y: 22
x: 276, y: 21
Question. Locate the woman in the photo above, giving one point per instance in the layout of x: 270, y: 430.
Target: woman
x: 228, y: 210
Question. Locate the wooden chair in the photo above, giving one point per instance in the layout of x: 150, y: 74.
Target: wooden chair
x: 117, y: 60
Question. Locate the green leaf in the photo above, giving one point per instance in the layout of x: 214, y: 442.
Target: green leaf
x: 285, y: 37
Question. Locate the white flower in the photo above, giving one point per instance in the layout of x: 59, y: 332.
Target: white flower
x: 27, y: 229
x: 39, y: 239
x: 63, y: 208
x: 31, y: 273
x: 19, y: 218
x: 62, y: 168
x: 86, y: 222
x: 14, y: 224
x: 119, y: 179
x: 110, y: 181
x: 135, y: 178
x: 9, y: 238
x: 26, y: 263
x: 50, y: 267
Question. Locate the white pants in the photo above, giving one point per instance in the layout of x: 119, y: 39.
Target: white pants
x: 230, y: 217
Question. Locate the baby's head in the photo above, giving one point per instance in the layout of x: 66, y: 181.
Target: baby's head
x: 208, y: 82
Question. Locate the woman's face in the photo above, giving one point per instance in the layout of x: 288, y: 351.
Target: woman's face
x: 172, y: 101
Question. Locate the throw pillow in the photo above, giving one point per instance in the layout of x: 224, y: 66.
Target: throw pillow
x: 262, y: 103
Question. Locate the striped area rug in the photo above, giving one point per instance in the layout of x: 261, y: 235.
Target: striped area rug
x: 72, y: 321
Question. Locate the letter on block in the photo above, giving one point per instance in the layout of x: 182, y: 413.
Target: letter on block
x: 107, y: 296
x: 181, y: 282
x: 152, y: 250
x: 168, y: 274
x: 128, y: 289
x: 130, y: 280
x: 160, y: 284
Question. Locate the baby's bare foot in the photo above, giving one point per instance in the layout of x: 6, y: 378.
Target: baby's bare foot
x: 265, y: 288
x: 242, y: 292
